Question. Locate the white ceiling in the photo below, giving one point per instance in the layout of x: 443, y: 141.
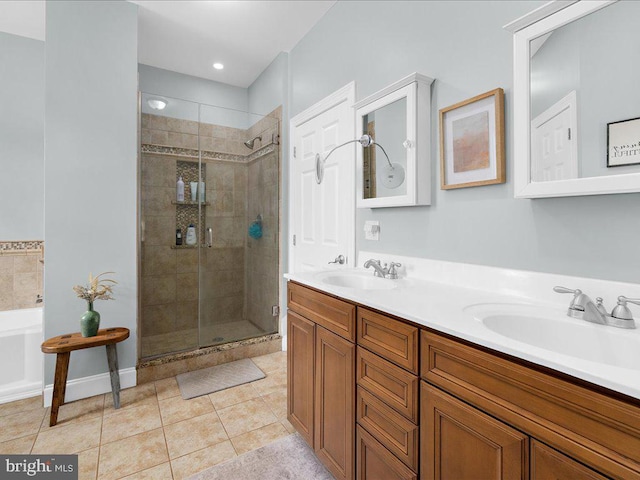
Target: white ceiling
x: 24, y: 18
x: 189, y: 36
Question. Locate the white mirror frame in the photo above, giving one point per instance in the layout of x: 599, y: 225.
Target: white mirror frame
x: 416, y: 89
x: 525, y: 29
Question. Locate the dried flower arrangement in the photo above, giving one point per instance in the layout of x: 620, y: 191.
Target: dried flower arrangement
x: 97, y: 289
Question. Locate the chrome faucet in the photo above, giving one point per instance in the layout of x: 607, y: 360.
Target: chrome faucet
x: 386, y: 271
x: 380, y: 271
x: 582, y: 307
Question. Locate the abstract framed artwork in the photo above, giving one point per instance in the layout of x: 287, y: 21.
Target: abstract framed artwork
x: 623, y: 143
x: 472, y: 142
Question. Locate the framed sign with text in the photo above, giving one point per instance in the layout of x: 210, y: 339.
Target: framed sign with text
x: 623, y: 143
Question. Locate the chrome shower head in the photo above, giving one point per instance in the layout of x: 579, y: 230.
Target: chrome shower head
x: 249, y: 143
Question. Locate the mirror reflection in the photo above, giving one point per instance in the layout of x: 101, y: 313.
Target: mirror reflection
x: 383, y: 175
x: 584, y: 96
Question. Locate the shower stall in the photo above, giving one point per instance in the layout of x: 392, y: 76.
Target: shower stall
x: 209, y: 261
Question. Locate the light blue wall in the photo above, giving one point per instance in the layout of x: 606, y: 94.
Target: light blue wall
x: 21, y: 138
x: 464, y: 47
x: 90, y: 170
x: 269, y: 90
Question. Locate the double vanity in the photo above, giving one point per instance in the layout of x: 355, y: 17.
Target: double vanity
x: 451, y: 371
x: 455, y: 371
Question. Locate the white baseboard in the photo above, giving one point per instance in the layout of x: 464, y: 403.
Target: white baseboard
x: 89, y: 386
x: 32, y: 390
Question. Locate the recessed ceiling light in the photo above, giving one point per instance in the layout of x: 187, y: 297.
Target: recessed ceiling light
x: 218, y: 66
x: 157, y: 103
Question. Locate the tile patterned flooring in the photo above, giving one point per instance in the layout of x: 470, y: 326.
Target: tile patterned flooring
x: 155, y: 434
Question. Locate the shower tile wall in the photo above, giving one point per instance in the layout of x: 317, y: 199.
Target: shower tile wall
x: 169, y: 312
x: 165, y: 271
x: 20, y: 274
x: 262, y: 255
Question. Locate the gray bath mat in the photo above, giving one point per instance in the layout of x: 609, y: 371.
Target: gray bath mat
x: 288, y: 458
x: 212, y: 379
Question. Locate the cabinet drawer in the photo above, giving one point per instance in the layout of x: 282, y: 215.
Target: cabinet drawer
x: 333, y: 314
x: 391, y: 339
x: 596, y: 429
x: 374, y: 462
x: 395, y: 386
x: 395, y: 432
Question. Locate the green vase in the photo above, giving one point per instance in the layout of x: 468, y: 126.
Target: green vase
x: 90, y: 322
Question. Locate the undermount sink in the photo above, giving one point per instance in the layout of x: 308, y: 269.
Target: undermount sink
x: 359, y: 281
x: 552, y: 330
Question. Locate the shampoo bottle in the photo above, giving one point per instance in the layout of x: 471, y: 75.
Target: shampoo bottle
x: 191, y: 235
x: 178, y: 236
x: 180, y: 190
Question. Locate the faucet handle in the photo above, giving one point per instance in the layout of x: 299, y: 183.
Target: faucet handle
x: 393, y: 273
x: 558, y: 289
x: 578, y: 301
x: 621, y: 310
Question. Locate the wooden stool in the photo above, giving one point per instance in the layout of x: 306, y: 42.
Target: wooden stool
x: 63, y: 345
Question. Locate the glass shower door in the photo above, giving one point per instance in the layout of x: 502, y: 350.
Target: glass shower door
x: 239, y: 260
x: 168, y: 266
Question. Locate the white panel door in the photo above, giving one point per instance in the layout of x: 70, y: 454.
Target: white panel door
x: 323, y: 215
x: 554, y: 143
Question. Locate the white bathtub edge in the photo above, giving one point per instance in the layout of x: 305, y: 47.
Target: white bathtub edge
x: 85, y: 387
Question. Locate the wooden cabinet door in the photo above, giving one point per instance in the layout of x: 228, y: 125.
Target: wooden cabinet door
x: 549, y: 464
x: 459, y: 442
x: 300, y: 370
x: 335, y: 403
x: 374, y: 462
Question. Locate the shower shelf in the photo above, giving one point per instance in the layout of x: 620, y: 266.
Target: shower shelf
x: 175, y: 202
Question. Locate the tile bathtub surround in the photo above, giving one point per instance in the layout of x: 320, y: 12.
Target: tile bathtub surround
x: 21, y: 246
x: 20, y: 274
x: 155, y: 433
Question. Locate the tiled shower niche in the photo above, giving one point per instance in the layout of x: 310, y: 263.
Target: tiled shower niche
x: 197, y: 297
x: 189, y: 212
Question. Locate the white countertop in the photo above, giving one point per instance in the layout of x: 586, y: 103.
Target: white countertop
x: 449, y: 308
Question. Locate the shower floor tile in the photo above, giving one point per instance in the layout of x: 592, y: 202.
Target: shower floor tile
x: 215, y: 334
x: 228, y: 332
x: 143, y: 442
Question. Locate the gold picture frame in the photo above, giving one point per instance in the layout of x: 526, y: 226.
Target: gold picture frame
x: 472, y: 142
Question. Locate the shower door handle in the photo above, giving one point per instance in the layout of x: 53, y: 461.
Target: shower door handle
x: 209, y: 237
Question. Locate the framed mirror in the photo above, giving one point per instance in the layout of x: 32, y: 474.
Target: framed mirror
x: 576, y: 101
x: 393, y: 170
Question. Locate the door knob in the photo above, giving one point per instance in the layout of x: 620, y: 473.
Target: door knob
x: 339, y: 259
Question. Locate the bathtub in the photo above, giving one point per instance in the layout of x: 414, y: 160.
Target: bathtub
x: 20, y: 355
